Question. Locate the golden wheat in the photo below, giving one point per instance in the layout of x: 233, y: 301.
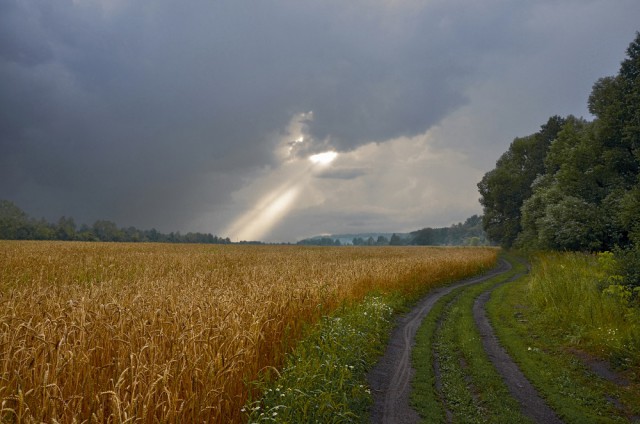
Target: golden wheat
x: 113, y: 332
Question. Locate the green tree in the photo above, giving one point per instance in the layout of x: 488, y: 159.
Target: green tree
x: 107, y: 231
x: 42, y: 230
x: 14, y: 222
x: 629, y: 213
x: 615, y: 101
x: 382, y: 241
x: 571, y: 224
x: 395, y: 240
x: 66, y: 229
x: 597, y: 164
x: 85, y: 233
x: 504, y: 189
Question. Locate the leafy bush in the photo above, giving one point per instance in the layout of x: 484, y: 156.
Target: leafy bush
x: 628, y: 267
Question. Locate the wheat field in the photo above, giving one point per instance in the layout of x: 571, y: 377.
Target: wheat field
x: 144, y: 333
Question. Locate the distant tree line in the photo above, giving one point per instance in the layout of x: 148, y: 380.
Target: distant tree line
x: 575, y: 184
x: 469, y: 233
x: 379, y: 241
x: 319, y: 241
x: 15, y: 224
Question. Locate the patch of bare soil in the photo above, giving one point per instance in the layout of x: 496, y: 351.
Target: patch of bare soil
x: 390, y: 379
x: 520, y: 388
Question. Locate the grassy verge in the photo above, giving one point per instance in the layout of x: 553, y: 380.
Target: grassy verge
x: 324, y: 379
x: 470, y: 390
x: 544, y: 319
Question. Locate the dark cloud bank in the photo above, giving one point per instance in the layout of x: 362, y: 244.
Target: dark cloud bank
x: 150, y: 113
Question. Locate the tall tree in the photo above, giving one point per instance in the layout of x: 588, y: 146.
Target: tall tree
x: 107, y: 231
x: 505, y: 188
x: 14, y: 222
x: 66, y: 229
x: 588, y: 198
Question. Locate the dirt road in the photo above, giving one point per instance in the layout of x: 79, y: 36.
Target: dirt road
x: 390, y: 380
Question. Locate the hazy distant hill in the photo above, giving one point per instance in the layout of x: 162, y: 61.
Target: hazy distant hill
x: 462, y: 234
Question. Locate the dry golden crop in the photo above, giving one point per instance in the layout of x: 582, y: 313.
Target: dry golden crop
x: 113, y: 332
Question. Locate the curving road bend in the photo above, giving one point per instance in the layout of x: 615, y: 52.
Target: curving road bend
x: 390, y: 379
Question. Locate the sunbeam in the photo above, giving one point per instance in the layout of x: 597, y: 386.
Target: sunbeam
x: 257, y: 222
x: 277, y: 203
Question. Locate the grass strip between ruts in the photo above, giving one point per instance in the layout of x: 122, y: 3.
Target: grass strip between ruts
x: 471, y: 389
x: 323, y: 379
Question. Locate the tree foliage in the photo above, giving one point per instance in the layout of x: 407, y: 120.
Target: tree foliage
x: 15, y: 224
x: 505, y: 188
x: 575, y: 185
x: 469, y: 233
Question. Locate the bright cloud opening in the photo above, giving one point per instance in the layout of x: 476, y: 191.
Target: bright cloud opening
x: 323, y: 158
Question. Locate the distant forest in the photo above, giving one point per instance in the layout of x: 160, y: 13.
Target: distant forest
x: 575, y: 184
x: 469, y: 233
x: 15, y: 224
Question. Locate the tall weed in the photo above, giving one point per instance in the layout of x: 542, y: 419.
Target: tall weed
x: 576, y: 295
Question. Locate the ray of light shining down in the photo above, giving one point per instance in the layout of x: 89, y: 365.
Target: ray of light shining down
x: 257, y: 222
x: 273, y: 207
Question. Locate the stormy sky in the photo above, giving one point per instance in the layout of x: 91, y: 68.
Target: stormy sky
x: 208, y: 115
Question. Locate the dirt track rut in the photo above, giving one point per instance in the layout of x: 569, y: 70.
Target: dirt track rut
x: 533, y: 406
x: 390, y: 380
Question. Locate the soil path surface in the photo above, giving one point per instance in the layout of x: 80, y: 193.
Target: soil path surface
x: 390, y: 379
x: 533, y: 406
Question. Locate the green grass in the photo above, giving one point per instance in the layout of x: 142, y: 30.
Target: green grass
x: 542, y: 320
x: 471, y: 389
x: 324, y: 379
x: 576, y: 298
x: 424, y: 396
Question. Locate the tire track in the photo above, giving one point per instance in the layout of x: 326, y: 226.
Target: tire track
x: 390, y: 379
x: 519, y: 386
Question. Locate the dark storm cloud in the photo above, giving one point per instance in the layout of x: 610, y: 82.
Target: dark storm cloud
x: 151, y: 112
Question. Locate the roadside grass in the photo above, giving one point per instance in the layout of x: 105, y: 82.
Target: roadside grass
x: 544, y: 319
x: 470, y: 388
x: 324, y: 378
x: 582, y: 301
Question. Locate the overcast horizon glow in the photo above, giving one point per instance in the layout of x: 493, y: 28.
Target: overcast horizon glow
x: 284, y: 120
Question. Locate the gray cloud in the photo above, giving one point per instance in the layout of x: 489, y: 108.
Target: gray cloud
x: 342, y: 173
x: 152, y: 113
